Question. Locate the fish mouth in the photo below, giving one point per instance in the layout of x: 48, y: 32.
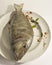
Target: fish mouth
x: 19, y: 51
x: 19, y: 54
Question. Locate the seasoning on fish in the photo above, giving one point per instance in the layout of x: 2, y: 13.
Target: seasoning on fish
x: 37, y: 26
x: 21, y: 32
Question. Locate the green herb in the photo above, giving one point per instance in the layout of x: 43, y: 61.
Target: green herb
x: 41, y: 34
x: 37, y: 19
x: 33, y: 26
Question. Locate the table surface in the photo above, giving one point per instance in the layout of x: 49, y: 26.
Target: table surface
x: 43, y: 8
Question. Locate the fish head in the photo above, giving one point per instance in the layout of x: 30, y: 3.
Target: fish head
x: 20, y: 49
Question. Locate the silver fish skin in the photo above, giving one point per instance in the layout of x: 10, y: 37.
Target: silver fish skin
x: 21, y: 32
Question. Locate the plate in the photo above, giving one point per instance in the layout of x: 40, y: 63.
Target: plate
x: 41, y: 38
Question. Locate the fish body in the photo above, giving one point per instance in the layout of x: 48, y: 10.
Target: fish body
x: 21, y: 32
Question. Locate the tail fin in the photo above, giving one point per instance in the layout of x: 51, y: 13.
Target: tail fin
x: 18, y: 7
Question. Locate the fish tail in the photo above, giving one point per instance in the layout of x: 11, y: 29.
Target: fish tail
x: 18, y: 7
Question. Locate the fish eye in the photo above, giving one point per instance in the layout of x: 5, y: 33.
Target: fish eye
x: 24, y: 46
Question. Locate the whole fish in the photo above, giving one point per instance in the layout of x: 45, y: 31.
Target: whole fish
x: 21, y: 32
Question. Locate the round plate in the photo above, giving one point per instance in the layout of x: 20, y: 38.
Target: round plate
x: 40, y: 40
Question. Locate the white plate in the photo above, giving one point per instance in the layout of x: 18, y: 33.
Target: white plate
x: 37, y: 48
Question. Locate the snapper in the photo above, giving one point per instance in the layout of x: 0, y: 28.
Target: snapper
x: 21, y: 32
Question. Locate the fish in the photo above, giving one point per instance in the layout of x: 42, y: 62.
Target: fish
x: 21, y: 32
